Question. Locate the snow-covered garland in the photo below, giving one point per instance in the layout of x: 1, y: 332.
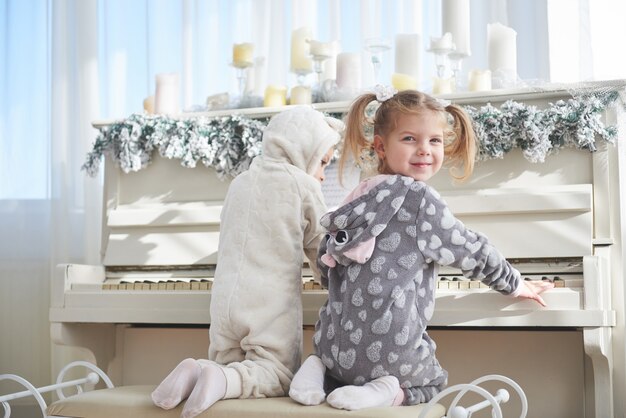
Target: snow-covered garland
x: 229, y: 143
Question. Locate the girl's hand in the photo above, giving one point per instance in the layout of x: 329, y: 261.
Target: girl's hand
x: 532, y: 290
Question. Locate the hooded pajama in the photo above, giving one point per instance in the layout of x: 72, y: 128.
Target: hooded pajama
x: 379, y: 262
x: 269, y: 220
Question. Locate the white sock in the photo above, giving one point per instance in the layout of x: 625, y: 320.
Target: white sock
x: 210, y: 388
x: 177, y: 385
x: 380, y: 392
x: 307, y: 386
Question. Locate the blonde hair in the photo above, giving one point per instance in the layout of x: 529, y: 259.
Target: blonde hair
x: 459, y: 137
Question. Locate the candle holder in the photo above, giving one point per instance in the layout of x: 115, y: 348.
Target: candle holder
x: 241, y: 71
x: 441, y: 58
x: 456, y: 62
x: 376, y: 47
x: 318, y: 62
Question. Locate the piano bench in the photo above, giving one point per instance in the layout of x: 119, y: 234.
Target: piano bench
x: 135, y: 402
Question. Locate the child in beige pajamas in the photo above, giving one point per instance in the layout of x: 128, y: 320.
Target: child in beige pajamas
x: 270, y: 219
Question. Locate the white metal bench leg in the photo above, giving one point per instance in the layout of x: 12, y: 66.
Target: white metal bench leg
x: 502, y: 396
x: 91, y: 378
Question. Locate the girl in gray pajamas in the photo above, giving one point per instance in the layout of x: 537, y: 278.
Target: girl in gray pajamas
x: 381, y: 254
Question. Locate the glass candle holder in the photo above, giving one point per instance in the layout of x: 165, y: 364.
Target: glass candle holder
x: 376, y: 48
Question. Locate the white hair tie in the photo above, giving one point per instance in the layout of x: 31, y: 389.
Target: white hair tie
x: 443, y: 102
x: 384, y: 93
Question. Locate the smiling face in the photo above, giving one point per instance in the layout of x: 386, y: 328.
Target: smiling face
x: 414, y: 148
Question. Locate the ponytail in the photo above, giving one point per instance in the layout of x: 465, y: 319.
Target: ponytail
x: 461, y: 151
x: 355, y: 140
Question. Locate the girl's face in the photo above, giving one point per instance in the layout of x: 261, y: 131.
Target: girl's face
x: 414, y: 148
x: 319, y: 174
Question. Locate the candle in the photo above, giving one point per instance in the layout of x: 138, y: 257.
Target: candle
x: 443, y: 85
x: 479, y: 80
x: 443, y: 43
x: 167, y: 94
x: 321, y: 49
x: 456, y: 21
x: 242, y: 55
x: 148, y: 105
x: 275, y: 96
x: 502, y: 50
x: 403, y: 82
x: 300, y: 60
x: 349, y: 72
x: 300, y: 95
x: 408, y: 46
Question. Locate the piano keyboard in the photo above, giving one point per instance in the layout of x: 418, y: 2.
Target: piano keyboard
x: 564, y: 273
x: 308, y: 284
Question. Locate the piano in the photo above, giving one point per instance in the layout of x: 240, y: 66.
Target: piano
x: 558, y: 221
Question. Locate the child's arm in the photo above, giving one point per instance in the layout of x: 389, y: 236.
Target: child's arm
x: 313, y: 210
x: 322, y: 268
x: 445, y: 239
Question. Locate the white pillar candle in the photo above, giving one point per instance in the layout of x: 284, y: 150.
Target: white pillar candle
x: 167, y: 94
x: 275, y: 96
x: 300, y: 59
x: 148, y: 105
x: 321, y: 49
x: 300, y: 95
x: 403, y: 82
x: 242, y: 55
x: 443, y: 85
x: 443, y: 43
x: 479, y: 80
x: 502, y: 48
x: 349, y: 71
x: 408, y: 47
x: 456, y: 20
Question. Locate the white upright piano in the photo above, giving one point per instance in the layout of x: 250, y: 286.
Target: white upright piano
x: 559, y: 220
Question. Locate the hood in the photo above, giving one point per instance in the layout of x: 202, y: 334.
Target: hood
x: 353, y: 228
x: 300, y: 136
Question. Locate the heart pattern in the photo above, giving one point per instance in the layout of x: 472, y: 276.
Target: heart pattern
x: 373, y: 351
x: 376, y: 265
x: 346, y: 358
x: 355, y: 337
x: 404, y: 215
x: 390, y: 243
x: 397, y: 202
x: 374, y: 323
x: 374, y: 287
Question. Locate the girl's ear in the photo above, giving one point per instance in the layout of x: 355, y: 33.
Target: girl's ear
x: 379, y: 147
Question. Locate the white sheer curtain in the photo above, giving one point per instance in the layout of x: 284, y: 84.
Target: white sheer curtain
x: 65, y: 63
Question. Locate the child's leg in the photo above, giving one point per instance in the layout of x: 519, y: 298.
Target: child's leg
x: 384, y: 391
x: 422, y: 394
x: 177, y: 385
x: 211, y: 386
x: 307, y: 386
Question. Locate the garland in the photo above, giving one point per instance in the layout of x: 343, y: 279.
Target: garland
x: 229, y: 143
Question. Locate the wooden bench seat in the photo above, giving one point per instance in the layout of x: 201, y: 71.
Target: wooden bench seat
x: 135, y: 402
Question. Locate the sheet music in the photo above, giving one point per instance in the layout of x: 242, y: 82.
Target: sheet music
x: 334, y: 192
